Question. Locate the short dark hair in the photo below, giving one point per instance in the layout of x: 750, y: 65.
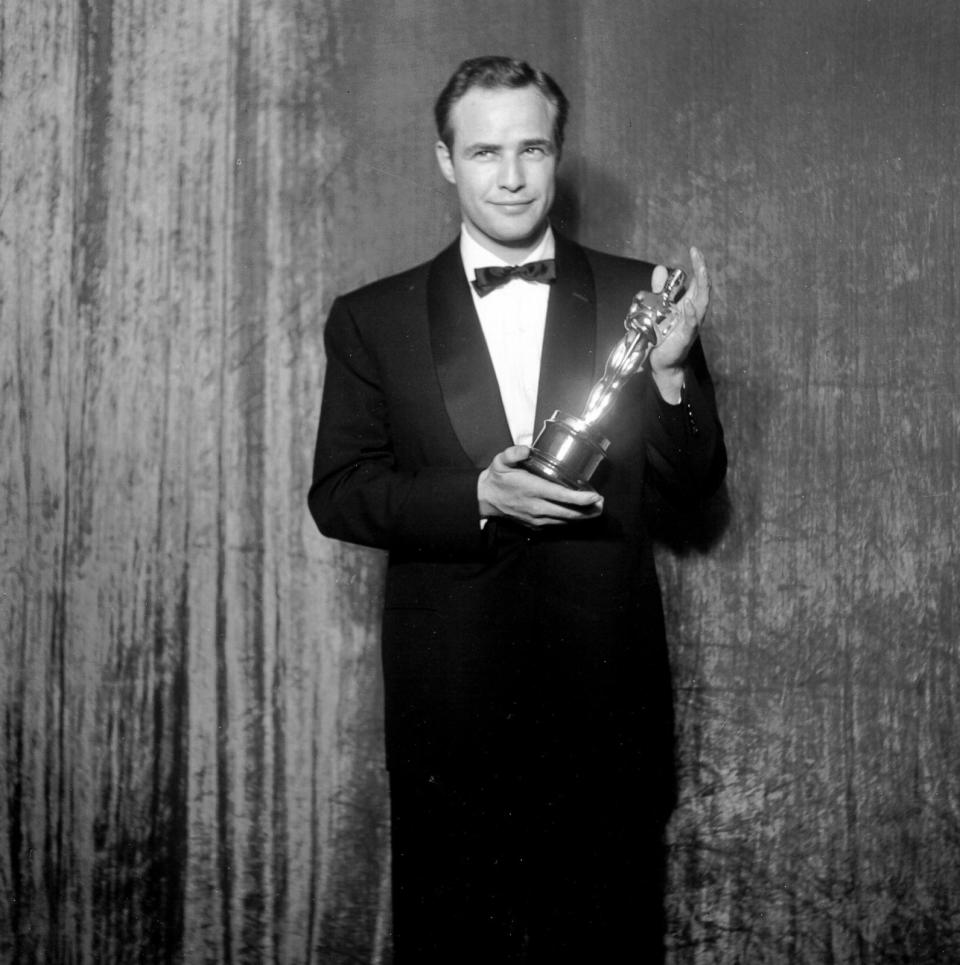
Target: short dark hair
x: 490, y: 73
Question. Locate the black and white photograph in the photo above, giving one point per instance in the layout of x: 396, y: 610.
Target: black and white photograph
x: 479, y: 482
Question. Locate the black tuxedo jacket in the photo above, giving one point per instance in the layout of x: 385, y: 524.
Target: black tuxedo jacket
x: 501, y: 645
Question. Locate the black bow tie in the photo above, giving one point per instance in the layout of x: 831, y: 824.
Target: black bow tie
x: 489, y: 278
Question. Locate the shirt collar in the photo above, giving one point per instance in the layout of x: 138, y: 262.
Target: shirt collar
x: 474, y: 255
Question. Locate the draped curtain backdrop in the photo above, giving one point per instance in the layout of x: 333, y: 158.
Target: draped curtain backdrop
x: 190, y: 755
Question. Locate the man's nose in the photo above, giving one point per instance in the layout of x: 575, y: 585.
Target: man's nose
x: 511, y: 173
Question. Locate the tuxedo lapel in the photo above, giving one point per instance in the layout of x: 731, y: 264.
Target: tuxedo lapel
x: 467, y: 378
x: 570, y: 336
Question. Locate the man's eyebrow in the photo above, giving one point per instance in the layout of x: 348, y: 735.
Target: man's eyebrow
x: 530, y: 142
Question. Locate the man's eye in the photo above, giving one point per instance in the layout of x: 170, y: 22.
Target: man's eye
x: 483, y: 153
x: 536, y: 150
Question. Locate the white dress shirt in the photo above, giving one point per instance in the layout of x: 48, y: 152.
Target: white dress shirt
x: 513, y: 318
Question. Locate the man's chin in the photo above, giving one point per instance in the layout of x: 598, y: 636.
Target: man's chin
x: 520, y: 236
x: 511, y: 240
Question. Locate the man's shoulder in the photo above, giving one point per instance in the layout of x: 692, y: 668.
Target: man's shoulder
x: 615, y: 276
x: 403, y: 283
x: 605, y: 262
x: 409, y: 283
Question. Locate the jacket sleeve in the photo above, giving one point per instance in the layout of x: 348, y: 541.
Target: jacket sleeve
x: 686, y: 454
x: 359, y: 492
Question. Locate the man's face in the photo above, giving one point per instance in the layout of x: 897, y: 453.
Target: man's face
x: 504, y: 164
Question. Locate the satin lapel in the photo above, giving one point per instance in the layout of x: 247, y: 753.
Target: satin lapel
x: 467, y: 379
x: 570, y: 336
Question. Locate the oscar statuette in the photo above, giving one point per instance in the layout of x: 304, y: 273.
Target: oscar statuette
x: 569, y: 448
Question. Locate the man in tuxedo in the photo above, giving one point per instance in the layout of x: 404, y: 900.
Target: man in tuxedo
x: 528, y: 712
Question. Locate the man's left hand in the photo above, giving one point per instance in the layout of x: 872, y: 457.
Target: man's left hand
x: 666, y: 360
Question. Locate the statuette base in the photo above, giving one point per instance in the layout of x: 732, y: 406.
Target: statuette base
x: 567, y: 450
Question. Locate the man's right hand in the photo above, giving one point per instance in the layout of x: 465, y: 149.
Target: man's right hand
x: 507, y: 489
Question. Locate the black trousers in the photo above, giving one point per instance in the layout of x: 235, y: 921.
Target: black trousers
x: 525, y: 868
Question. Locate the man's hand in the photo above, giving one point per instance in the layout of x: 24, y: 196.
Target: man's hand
x: 666, y: 360
x: 506, y: 489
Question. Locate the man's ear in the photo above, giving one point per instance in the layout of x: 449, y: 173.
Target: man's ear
x: 445, y: 162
